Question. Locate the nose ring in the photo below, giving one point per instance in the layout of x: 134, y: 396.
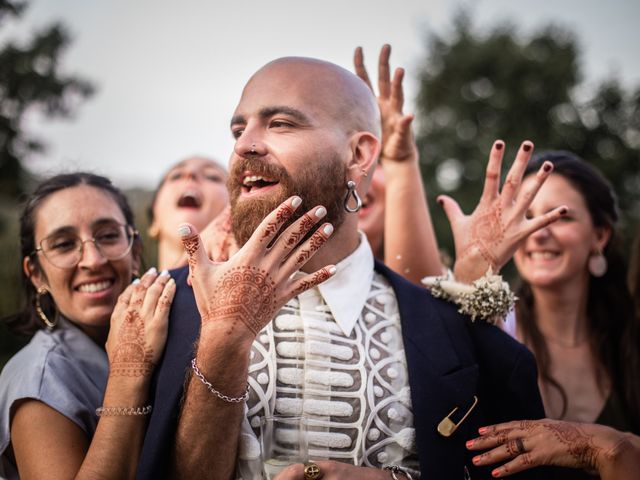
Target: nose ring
x: 253, y: 148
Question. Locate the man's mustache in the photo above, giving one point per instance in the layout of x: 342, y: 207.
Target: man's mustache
x: 256, y: 167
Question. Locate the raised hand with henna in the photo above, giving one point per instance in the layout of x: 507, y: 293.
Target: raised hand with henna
x: 249, y: 288
x: 521, y: 445
x: 488, y: 237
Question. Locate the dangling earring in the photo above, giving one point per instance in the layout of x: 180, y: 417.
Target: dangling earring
x: 351, y: 192
x: 50, y: 325
x: 597, y: 264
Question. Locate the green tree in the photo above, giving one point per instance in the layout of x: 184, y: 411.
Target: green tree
x: 477, y: 87
x: 31, y: 81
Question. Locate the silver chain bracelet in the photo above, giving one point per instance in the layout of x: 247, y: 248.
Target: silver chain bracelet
x: 122, y: 411
x: 397, y: 469
x: 218, y: 394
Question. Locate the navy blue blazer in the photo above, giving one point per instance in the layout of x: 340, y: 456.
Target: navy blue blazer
x: 449, y: 359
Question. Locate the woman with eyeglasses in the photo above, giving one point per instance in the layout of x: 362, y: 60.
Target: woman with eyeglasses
x: 73, y: 401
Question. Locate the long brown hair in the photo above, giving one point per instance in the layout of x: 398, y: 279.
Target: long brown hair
x: 613, y: 328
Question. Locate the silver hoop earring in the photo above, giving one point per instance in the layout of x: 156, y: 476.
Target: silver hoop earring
x: 49, y: 324
x: 351, y: 193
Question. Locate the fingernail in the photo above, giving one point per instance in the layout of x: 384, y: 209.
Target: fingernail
x: 483, y: 430
x: 151, y: 270
x: 499, y: 145
x: 440, y: 202
x: 547, y: 167
x: 184, y: 230
x: 475, y: 459
x: 321, y: 212
x: 328, y: 229
x: 296, y: 202
x: 526, y: 147
x: 563, y: 211
x: 164, y: 273
x: 469, y: 444
x: 171, y: 281
x: 496, y: 473
x: 332, y: 270
x: 136, y: 281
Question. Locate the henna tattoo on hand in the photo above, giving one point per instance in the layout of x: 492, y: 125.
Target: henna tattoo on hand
x: 131, y: 357
x: 487, y: 232
x: 284, y: 213
x: 579, y: 444
x: 318, y: 277
x: 246, y: 294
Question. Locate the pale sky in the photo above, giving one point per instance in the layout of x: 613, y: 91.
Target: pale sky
x: 169, y: 74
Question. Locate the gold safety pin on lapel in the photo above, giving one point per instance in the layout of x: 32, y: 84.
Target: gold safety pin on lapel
x: 446, y: 427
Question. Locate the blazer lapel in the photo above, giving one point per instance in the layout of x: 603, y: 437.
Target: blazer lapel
x: 443, y: 374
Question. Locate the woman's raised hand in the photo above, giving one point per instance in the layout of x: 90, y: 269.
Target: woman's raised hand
x: 491, y: 234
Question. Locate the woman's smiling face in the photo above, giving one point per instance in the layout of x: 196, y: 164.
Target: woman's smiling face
x: 87, y: 292
x: 560, y: 252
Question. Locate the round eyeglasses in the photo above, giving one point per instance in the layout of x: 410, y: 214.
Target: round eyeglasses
x: 65, y: 249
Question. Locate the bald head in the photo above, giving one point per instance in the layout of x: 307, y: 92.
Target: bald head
x: 337, y: 91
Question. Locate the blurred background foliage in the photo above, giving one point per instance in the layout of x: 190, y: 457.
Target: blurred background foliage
x: 475, y: 86
x: 478, y: 87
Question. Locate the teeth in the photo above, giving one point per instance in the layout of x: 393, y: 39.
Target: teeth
x: 543, y: 255
x: 248, y: 180
x: 94, y: 287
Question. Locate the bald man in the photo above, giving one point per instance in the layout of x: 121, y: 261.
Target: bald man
x: 376, y: 364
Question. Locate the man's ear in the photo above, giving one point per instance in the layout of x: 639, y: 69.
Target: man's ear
x: 365, y: 149
x: 33, y: 272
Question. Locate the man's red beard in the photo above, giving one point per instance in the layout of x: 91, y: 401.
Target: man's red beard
x: 322, y: 182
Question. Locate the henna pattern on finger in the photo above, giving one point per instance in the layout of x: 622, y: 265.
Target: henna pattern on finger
x: 318, y: 277
x: 315, y: 242
x: 512, y: 448
x: 283, y: 214
x: 131, y: 357
x: 579, y: 444
x: 191, y: 245
x: 526, y: 459
x: 246, y: 294
x: 306, y: 223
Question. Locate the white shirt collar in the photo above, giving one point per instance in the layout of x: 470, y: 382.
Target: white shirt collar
x: 346, y: 292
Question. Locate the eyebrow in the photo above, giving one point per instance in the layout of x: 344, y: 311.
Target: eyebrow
x: 73, y: 230
x: 267, y: 112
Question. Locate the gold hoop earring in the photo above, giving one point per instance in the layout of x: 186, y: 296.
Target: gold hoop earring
x: 49, y: 324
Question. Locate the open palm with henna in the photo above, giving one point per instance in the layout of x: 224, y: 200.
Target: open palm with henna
x: 489, y: 236
x: 247, y: 290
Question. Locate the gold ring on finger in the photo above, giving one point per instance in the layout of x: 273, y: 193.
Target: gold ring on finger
x: 312, y: 471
